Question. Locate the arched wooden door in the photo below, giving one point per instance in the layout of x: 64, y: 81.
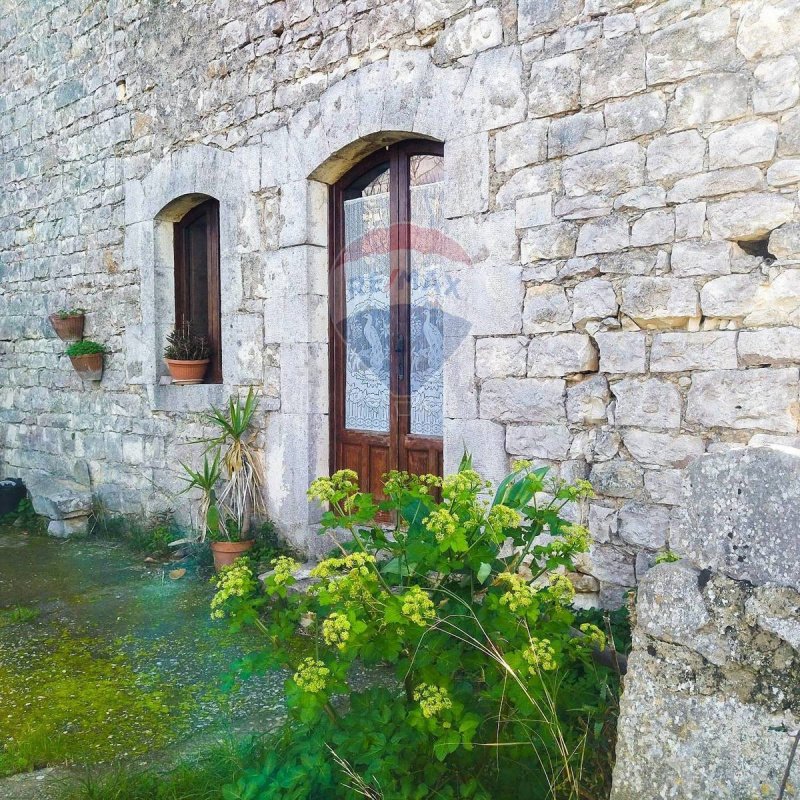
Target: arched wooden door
x: 387, y: 344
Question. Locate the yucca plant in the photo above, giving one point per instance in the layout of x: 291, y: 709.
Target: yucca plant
x: 206, y: 480
x: 242, y: 494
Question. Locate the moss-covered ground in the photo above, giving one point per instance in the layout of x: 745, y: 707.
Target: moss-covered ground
x: 106, y: 660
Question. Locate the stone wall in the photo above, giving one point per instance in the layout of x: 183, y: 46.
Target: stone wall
x: 711, y: 705
x: 622, y: 175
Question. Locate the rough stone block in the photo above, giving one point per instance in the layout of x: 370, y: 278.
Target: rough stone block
x: 777, y: 303
x: 692, y: 259
x: 690, y: 220
x: 675, y: 155
x: 554, y: 85
x: 529, y: 400
x: 59, y: 499
x: 501, y: 357
x: 644, y: 525
x: 660, y: 302
x: 470, y: 34
x: 608, y: 170
x: 642, y: 198
x: 561, y: 354
x: 771, y: 346
x: 768, y: 28
x: 621, y: 352
x: 653, y: 227
x: 467, y: 175
x: 484, y: 439
x: 784, y: 173
x: 709, y: 98
x: 617, y: 478
x: 550, y: 241
x: 746, y: 143
x: 663, y: 449
x: 651, y: 404
x: 609, y: 564
x: 587, y: 401
x: 777, y: 85
x: 690, y: 47
x: 488, y: 301
x: 604, y: 235
x: 613, y: 68
x: 527, y: 182
x: 745, y: 399
x: 749, y: 216
x: 64, y: 528
x: 602, y: 522
x: 543, y: 16
x: 635, y: 116
x: 730, y: 296
x: 784, y: 242
x: 546, y: 310
x: 719, y: 182
x: 576, y: 133
x: 521, y: 145
x: 550, y: 442
x: 593, y: 299
x: 533, y: 212
x: 664, y: 486
x: 701, y: 350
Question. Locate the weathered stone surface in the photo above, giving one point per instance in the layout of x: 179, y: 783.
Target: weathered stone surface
x: 765, y: 399
x: 500, y: 357
x: 604, y: 235
x: 533, y: 212
x: 635, y: 116
x: 680, y: 352
x: 730, y: 296
x: 652, y: 404
x: 653, y: 227
x: 554, y: 85
x: 784, y: 173
x: 576, y: 133
x: 709, y: 98
x: 722, y: 524
x: 778, y: 302
x: 593, y: 299
x: 529, y: 400
x: 58, y: 499
x: 470, y: 34
x: 642, y: 198
x: 663, y: 449
x: 784, y: 242
x: 587, y: 401
x: 777, y: 84
x: 543, y: 16
x: 659, y: 302
x: 769, y: 28
x: 617, y: 478
x: 749, y: 216
x: 771, y: 346
x: 521, y: 145
x: 546, y: 310
x: 612, y: 68
x: 608, y: 564
x: 538, y: 441
x: 550, y: 241
x: 64, y: 528
x: 746, y: 143
x: 690, y: 259
x: 467, y: 175
x: 675, y: 154
x: 713, y: 184
x: 621, y: 352
x: 644, y: 525
x: 561, y: 354
x: 664, y: 486
x: 609, y: 169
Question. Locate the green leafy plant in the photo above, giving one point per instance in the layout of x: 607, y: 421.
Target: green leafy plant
x: 498, y: 689
x: 66, y: 313
x: 185, y: 345
x: 242, y: 493
x: 206, y: 480
x: 85, y: 347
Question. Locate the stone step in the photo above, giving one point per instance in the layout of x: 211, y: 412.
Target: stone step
x: 59, y: 499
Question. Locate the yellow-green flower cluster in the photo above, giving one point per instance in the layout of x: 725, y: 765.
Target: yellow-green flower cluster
x: 348, y: 578
x: 594, y: 636
x: 561, y: 589
x: 312, y: 676
x: 336, y: 630
x: 441, y: 523
x: 540, y: 656
x: 284, y: 568
x: 395, y: 482
x: 577, y: 537
x: 432, y: 700
x: 345, y: 481
x: 236, y: 580
x: 519, y: 595
x: 465, y: 481
x: 417, y: 606
x: 502, y: 517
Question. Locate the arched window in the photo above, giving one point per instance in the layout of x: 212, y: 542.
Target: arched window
x: 386, y: 317
x: 197, y: 285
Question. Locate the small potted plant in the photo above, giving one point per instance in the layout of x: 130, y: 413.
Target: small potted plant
x: 186, y: 355
x: 68, y: 323
x: 87, y: 359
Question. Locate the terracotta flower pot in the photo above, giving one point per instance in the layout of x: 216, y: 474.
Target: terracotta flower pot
x: 187, y: 371
x: 89, y: 367
x: 70, y: 329
x: 225, y: 553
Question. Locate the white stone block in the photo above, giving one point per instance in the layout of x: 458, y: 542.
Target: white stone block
x: 554, y: 85
x: 561, y: 354
x: 473, y: 33
x: 533, y: 212
x: 466, y: 164
x: 662, y: 449
x: 777, y: 84
x: 548, y: 242
x: 719, y: 182
x: 709, y: 98
x: 730, y: 296
x: 778, y: 302
x: 543, y: 16
x: 769, y: 28
x: 617, y: 478
x: 546, y: 310
x: 690, y: 221
x: 664, y: 486
x: 660, y: 302
x: 550, y: 442
x: 587, y: 401
x: 784, y: 173
x: 749, y: 216
x: 483, y: 439
x: 651, y: 404
x: 603, y: 235
x: 771, y: 346
x: 484, y: 240
x: 530, y: 400
x: 635, y: 116
x: 642, y: 198
x: 784, y: 242
x: 488, y: 300
x: 746, y: 143
x: 691, y: 259
x: 675, y: 155
x: 501, y: 357
x: 520, y: 145
x: 644, y: 525
x: 613, y: 68
x: 654, y: 227
x: 576, y: 133
x: 701, y: 350
x: 609, y: 170
x: 745, y: 399
x: 621, y: 352
x: 593, y: 299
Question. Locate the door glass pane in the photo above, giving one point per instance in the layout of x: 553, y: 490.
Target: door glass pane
x: 425, y: 259
x: 367, y: 279
x: 197, y: 275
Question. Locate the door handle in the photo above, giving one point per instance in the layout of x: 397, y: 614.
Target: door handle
x: 399, y: 347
